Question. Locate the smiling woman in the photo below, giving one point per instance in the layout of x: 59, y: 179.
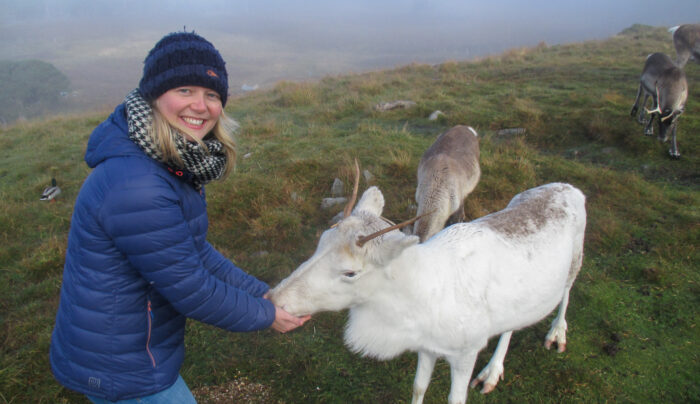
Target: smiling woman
x: 138, y: 262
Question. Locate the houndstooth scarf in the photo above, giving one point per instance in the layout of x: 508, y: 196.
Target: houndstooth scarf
x: 202, y: 166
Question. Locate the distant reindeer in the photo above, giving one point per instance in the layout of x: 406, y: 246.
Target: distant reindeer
x: 666, y: 84
x: 445, y: 297
x: 448, y: 171
x: 686, y: 40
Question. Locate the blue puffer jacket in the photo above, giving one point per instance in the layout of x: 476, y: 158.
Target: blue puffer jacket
x: 137, y: 265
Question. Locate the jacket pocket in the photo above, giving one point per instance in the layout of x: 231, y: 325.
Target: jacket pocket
x: 149, y: 318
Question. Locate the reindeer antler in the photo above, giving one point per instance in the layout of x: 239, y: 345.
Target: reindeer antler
x: 351, y: 204
x: 665, y: 118
x: 364, y: 239
x: 658, y: 104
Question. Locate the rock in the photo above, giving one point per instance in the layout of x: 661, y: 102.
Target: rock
x: 337, y: 188
x: 511, y: 131
x: 387, y: 106
x: 327, y: 203
x: 435, y: 115
x: 248, y: 87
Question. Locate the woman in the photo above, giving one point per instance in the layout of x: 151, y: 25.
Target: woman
x: 138, y: 262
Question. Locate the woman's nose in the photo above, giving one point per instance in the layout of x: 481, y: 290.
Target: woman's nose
x: 198, y: 103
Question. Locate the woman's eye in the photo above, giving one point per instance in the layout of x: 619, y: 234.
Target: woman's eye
x: 183, y: 90
x: 214, y: 96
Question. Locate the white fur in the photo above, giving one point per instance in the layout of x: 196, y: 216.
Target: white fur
x: 448, y: 296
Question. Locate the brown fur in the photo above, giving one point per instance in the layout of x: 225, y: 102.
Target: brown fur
x: 666, y: 84
x: 686, y: 40
x: 527, y: 214
x: 448, y: 171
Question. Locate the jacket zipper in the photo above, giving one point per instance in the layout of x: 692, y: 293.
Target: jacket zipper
x: 149, y: 317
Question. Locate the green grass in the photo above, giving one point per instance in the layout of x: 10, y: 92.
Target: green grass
x: 633, y: 315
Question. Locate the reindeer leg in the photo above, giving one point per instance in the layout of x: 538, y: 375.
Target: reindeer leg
x: 673, y: 151
x: 649, y: 129
x: 642, y: 117
x: 558, y: 331
x: 635, y: 107
x: 695, y: 56
x: 494, y: 369
x: 426, y: 363
x: 461, y: 371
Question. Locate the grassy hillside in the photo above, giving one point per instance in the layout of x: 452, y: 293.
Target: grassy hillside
x: 633, y: 313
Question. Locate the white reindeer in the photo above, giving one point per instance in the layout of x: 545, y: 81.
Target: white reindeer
x: 686, y: 40
x: 448, y: 172
x: 445, y: 297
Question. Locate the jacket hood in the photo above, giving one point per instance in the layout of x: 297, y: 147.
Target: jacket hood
x: 111, y: 139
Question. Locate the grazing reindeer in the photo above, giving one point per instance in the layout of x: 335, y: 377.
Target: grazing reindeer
x: 686, y: 40
x: 448, y: 171
x: 445, y: 297
x: 665, y: 83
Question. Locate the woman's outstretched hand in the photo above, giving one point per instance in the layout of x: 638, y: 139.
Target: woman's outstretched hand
x: 285, y: 322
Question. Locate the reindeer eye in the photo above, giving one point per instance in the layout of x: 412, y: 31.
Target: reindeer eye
x: 349, y: 274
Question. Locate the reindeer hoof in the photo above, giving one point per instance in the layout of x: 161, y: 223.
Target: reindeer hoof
x: 488, y: 388
x: 561, y: 346
x: 674, y: 155
x: 649, y: 132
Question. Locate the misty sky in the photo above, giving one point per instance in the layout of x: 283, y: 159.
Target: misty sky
x: 100, y: 44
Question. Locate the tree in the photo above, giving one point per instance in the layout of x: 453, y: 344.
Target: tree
x: 30, y: 88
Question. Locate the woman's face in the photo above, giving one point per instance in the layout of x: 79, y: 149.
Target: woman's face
x: 191, y: 109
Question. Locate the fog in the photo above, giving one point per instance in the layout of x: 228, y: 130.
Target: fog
x: 100, y: 44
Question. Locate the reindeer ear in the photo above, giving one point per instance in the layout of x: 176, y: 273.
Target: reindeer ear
x: 372, y: 201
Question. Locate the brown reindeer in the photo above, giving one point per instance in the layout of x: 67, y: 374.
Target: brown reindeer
x: 686, y: 40
x: 666, y: 84
x: 448, y: 171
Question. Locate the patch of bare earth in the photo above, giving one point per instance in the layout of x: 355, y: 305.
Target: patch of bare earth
x: 239, y: 390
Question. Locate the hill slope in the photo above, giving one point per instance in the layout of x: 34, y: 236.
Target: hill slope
x: 633, y: 311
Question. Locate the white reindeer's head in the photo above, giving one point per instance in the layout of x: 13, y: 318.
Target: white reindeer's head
x: 348, y: 262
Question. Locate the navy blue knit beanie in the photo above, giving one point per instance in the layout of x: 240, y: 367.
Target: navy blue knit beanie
x: 183, y: 59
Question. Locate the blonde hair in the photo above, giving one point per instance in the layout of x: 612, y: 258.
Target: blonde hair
x: 163, y: 135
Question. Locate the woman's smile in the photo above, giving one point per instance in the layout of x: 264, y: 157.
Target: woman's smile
x: 193, y: 110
